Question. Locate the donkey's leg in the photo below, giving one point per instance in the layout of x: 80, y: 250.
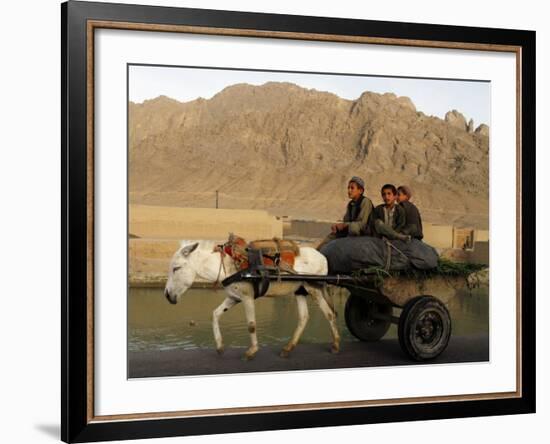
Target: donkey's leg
x: 227, y: 303
x: 303, y: 316
x: 250, y: 313
x: 319, y: 297
x: 328, y: 296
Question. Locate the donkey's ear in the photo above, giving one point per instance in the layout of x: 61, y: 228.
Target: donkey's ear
x: 186, y: 251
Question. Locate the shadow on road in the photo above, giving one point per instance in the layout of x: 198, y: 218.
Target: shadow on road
x: 387, y: 352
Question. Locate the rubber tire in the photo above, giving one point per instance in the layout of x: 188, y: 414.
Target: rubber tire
x: 412, y: 313
x: 357, y: 315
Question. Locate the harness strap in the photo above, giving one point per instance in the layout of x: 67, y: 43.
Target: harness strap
x: 261, y: 286
x: 221, y: 250
x: 276, y: 258
x: 278, y: 244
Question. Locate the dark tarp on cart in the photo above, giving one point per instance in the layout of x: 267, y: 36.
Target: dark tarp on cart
x: 359, y: 252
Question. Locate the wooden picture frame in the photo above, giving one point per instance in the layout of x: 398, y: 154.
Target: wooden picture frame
x: 80, y: 20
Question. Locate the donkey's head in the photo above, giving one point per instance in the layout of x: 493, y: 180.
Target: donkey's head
x: 182, y: 272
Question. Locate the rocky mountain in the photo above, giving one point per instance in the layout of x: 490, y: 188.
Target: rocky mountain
x: 292, y: 150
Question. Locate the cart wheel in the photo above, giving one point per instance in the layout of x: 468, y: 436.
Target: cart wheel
x: 363, y: 317
x: 424, y: 328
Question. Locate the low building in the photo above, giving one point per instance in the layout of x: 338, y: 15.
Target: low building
x: 438, y: 236
x: 156, y: 222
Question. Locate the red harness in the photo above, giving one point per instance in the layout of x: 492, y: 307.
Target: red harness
x: 275, y: 252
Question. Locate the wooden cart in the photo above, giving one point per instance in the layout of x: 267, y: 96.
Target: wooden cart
x: 424, y: 323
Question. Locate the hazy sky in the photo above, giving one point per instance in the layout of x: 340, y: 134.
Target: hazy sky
x: 432, y: 97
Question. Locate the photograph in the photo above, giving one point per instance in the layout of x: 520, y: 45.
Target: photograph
x: 287, y: 221
x: 279, y: 221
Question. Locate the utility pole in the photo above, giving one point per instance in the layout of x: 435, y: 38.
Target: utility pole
x: 216, y: 199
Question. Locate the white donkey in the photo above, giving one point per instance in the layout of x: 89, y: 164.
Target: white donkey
x: 194, y: 259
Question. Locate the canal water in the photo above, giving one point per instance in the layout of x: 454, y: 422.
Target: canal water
x: 155, y: 324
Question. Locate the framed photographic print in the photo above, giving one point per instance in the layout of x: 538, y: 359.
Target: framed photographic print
x: 275, y: 221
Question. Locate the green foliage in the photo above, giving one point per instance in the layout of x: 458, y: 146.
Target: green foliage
x: 445, y: 268
x: 374, y: 273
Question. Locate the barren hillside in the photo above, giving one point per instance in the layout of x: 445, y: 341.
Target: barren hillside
x: 291, y: 150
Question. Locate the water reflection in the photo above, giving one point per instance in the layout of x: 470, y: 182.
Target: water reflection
x: 154, y: 324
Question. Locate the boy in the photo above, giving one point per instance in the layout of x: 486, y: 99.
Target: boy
x: 356, y: 219
x: 412, y: 215
x: 388, y: 219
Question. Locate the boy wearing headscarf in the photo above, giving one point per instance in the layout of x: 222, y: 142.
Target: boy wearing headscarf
x: 356, y: 220
x: 413, y: 225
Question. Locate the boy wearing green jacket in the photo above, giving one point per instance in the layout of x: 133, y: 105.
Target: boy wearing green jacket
x: 356, y: 219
